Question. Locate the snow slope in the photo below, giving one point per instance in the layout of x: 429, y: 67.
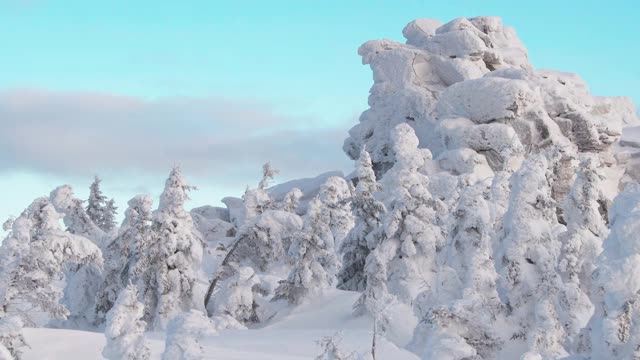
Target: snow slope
x: 291, y: 338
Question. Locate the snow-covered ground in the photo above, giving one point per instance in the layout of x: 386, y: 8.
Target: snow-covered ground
x: 292, y: 338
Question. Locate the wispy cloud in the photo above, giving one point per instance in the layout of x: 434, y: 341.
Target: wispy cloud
x: 85, y: 133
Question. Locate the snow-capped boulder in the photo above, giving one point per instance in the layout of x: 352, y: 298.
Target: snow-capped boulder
x: 468, y: 84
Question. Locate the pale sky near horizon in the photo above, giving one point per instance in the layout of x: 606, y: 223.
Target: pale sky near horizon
x: 127, y: 89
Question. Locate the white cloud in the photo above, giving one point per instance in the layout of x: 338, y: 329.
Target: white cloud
x: 80, y: 134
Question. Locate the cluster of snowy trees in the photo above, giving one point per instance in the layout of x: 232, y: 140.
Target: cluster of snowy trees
x: 488, y: 217
x: 89, y: 275
x: 496, y: 225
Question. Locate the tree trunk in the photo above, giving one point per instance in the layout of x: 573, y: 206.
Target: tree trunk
x: 373, y: 341
x: 218, y: 274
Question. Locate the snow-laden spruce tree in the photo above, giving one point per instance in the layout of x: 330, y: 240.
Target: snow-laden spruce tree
x: 264, y: 234
x: 100, y: 210
x: 6, y: 225
x: 259, y: 246
x: 125, y: 328
x: 109, y: 219
x: 527, y: 262
x: 185, y: 333
x: 404, y: 262
x: 11, y: 338
x: 257, y: 201
x: 175, y: 252
x: 264, y: 239
x: 291, y: 200
x: 34, y: 256
x: 331, y: 350
x: 366, y: 233
x: 82, y: 280
x: 268, y: 173
x: 458, y: 315
x: 97, y: 201
x: 75, y: 217
x: 615, y: 325
x: 236, y: 297
x: 335, y: 195
x: 314, y: 261
x: 583, y: 211
x: 124, y: 257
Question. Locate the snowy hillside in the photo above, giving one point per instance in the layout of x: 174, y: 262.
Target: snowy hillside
x: 492, y: 215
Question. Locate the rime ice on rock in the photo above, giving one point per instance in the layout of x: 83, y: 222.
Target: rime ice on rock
x: 536, y: 143
x: 468, y: 83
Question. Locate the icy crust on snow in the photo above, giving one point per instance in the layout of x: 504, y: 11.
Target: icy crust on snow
x: 468, y: 83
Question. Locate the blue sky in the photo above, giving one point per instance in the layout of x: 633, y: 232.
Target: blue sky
x: 128, y: 88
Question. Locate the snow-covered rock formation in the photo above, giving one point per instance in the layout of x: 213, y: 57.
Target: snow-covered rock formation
x: 519, y: 169
x: 468, y: 84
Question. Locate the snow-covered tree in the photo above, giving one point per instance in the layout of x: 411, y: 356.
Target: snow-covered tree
x: 35, y: 254
x: 236, y: 297
x: 291, y: 200
x: 404, y: 262
x: 315, y: 262
x: 335, y: 195
x: 125, y: 328
x: 125, y: 255
x: 82, y: 280
x: 11, y: 338
x: 581, y: 243
x: 259, y: 245
x: 268, y: 173
x: 6, y: 226
x: 97, y: 201
x: 257, y: 201
x: 184, y: 335
x: 459, y: 313
x: 366, y: 234
x: 331, y: 350
x: 528, y: 261
x: 614, y: 328
x: 264, y: 240
x: 75, y: 218
x: 100, y: 210
x: 109, y: 219
x: 175, y: 253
